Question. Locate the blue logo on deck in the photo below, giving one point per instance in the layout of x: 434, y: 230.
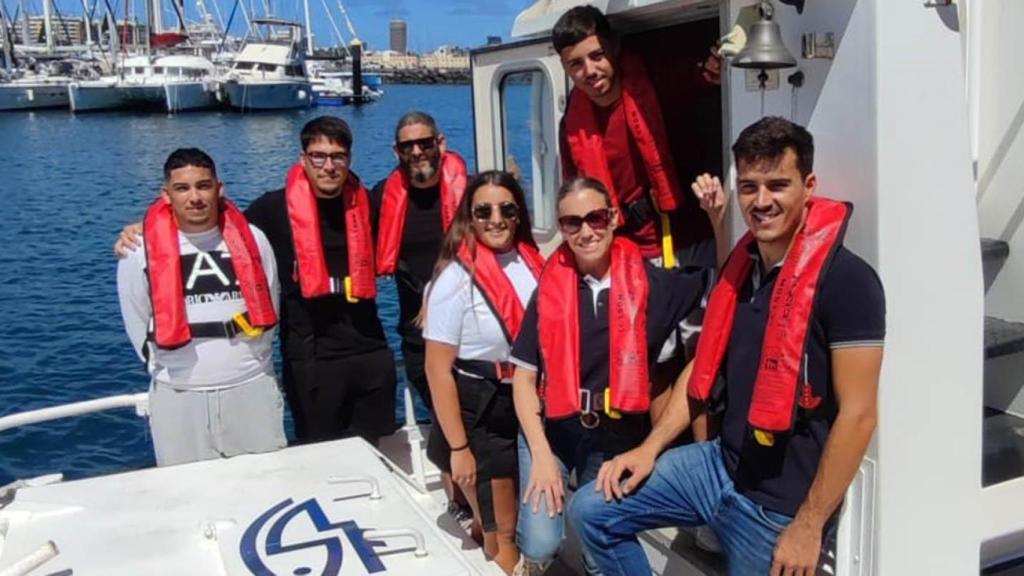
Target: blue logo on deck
x: 285, y: 512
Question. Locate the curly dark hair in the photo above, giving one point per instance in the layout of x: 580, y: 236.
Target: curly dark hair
x: 767, y: 140
x: 332, y: 128
x: 578, y: 23
x: 183, y: 157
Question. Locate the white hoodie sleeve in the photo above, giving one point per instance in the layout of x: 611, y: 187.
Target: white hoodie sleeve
x: 133, y: 292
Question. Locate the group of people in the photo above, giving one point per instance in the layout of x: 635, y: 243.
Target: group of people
x: 677, y: 386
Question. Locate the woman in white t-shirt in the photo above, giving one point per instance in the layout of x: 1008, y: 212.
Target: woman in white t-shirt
x: 484, y: 278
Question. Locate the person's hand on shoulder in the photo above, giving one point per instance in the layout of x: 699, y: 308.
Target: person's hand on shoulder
x: 128, y: 240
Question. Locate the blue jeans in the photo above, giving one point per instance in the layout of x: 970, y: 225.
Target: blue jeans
x: 688, y: 487
x: 538, y: 535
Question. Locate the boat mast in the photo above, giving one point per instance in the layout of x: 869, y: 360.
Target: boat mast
x: 26, y: 31
x: 154, y: 19
x: 5, y: 37
x: 86, y: 15
x: 309, y: 29
x: 48, y: 25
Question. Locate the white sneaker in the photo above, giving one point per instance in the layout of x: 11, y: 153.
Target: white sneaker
x: 528, y: 568
x: 706, y: 539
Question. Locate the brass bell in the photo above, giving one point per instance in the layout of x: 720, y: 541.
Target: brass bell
x: 764, y: 49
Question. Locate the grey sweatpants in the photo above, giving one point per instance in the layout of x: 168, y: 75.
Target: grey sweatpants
x: 190, y: 425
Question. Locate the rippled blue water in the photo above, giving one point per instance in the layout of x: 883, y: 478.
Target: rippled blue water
x: 67, y: 185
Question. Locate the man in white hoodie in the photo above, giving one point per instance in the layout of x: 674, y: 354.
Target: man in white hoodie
x: 199, y: 303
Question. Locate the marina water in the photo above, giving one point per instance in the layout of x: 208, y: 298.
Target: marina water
x: 68, y: 184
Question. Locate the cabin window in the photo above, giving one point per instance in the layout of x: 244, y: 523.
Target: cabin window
x: 244, y: 65
x: 524, y: 148
x: 139, y: 70
x: 158, y: 70
x: 267, y: 67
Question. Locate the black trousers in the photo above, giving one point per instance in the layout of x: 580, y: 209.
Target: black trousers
x: 334, y: 398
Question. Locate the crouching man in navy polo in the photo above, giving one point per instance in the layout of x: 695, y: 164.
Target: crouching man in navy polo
x: 793, y: 339
x: 199, y: 302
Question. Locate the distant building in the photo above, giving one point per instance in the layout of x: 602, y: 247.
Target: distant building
x: 493, y: 40
x: 446, y: 58
x: 399, y: 36
x: 66, y: 31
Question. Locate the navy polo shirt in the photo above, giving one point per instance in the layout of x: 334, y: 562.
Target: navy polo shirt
x: 849, y: 311
x: 673, y: 295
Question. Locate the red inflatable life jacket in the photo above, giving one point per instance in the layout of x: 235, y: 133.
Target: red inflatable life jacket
x: 792, y: 302
x: 646, y: 125
x: 494, y: 284
x: 396, y: 201
x: 304, y: 217
x: 559, y: 331
x: 166, y: 285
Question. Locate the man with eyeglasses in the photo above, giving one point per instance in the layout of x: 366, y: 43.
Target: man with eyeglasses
x: 338, y: 370
x: 339, y: 375
x: 417, y: 204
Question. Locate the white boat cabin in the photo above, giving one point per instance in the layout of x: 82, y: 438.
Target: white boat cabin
x: 916, y: 109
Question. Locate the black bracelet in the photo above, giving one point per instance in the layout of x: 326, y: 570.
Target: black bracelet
x: 460, y: 448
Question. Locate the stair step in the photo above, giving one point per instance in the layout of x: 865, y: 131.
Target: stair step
x: 993, y: 255
x: 1003, y: 447
x: 992, y: 249
x: 1003, y: 337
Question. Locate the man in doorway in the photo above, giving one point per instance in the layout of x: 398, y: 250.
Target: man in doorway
x: 794, y: 330
x: 614, y: 130
x: 199, y: 302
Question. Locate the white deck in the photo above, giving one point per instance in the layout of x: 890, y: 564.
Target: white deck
x: 274, y: 513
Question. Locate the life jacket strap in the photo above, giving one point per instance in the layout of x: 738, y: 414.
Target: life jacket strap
x: 240, y: 324
x: 496, y: 371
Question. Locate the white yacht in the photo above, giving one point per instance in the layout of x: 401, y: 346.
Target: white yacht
x: 171, y: 83
x: 268, y: 74
x: 916, y: 112
x: 335, y: 88
x: 34, y: 92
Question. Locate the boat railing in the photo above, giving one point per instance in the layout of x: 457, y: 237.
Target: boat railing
x: 419, y: 478
x: 138, y: 401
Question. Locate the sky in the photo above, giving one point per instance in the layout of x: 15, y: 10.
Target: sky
x: 431, y: 23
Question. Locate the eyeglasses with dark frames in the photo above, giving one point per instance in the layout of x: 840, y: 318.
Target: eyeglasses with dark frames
x: 426, y: 144
x: 319, y: 159
x: 598, y: 220
x: 507, y: 210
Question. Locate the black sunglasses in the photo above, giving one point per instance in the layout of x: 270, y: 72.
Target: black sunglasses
x: 597, y: 220
x: 426, y: 144
x: 508, y: 211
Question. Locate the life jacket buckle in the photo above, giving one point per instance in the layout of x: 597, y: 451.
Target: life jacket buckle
x: 589, y: 418
x: 242, y: 322
x: 611, y: 412
x: 348, y: 291
x: 764, y: 438
x: 504, y: 370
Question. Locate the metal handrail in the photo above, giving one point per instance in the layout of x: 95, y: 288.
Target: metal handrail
x: 138, y: 401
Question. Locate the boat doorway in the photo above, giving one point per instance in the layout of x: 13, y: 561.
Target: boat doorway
x: 520, y: 93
